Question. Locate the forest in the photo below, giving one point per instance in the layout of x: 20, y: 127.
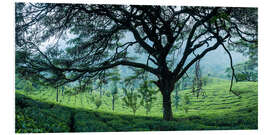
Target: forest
x: 109, y: 68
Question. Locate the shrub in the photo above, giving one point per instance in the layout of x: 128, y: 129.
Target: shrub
x: 120, y: 125
x: 186, y: 99
x: 83, y: 115
x: 92, y: 98
x: 91, y: 126
x: 41, y: 120
x: 131, y: 100
x: 36, y: 117
x: 108, y: 94
x: 186, y: 108
x: 168, y: 125
x: 108, y: 117
x: 98, y: 102
x: 148, y: 95
x: 142, y: 123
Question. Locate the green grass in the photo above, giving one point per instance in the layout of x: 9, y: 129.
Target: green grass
x: 39, y: 112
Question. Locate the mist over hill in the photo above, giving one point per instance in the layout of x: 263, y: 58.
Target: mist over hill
x: 217, y: 61
x: 214, y: 63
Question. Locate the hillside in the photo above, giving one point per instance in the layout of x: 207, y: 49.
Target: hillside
x: 39, y: 112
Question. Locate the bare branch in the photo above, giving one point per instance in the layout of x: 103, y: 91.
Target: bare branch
x: 233, y: 73
x: 189, y: 44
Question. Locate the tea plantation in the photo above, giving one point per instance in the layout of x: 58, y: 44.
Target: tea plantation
x: 218, y: 109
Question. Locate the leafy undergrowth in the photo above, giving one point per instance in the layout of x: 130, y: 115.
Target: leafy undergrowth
x: 217, y: 111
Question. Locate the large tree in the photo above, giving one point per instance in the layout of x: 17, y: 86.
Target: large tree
x: 61, y: 43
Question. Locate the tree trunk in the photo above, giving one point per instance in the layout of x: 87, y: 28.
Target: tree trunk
x: 56, y: 94
x: 113, y: 102
x: 100, y: 91
x: 134, y: 111
x: 166, y: 87
x: 90, y: 91
x: 62, y: 91
x: 176, y: 99
x: 167, y: 107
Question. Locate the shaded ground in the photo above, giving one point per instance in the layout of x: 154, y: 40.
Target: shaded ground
x: 35, y: 116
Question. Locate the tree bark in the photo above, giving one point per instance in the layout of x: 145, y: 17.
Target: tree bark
x: 57, y: 94
x: 113, y: 102
x: 176, y: 99
x: 166, y: 87
x: 167, y: 107
x: 90, y: 91
x: 100, y: 91
x: 62, y: 91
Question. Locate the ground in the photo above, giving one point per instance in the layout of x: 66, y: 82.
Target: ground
x: 218, y: 110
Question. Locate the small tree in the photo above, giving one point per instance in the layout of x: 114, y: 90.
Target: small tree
x: 90, y: 88
x: 57, y: 93
x: 28, y: 87
x: 148, y: 95
x: 98, y: 102
x: 205, y: 80
x: 186, y: 99
x: 247, y: 71
x: 197, y: 81
x: 108, y: 93
x: 92, y: 98
x: 114, y: 95
x: 176, y: 96
x: 131, y: 100
x: 99, y: 86
x: 186, y: 108
x: 115, y: 77
x: 186, y: 103
x: 63, y: 89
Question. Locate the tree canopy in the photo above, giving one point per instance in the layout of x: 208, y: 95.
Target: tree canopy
x: 61, y: 43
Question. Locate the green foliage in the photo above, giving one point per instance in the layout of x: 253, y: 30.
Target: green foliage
x: 92, y: 98
x: 92, y: 126
x: 186, y: 99
x: 205, y: 80
x: 88, y: 122
x: 114, y: 91
x: 95, y: 46
x: 186, y: 103
x: 247, y: 71
x: 108, y: 94
x: 148, y: 95
x: 120, y: 124
x: 39, y: 117
x: 98, y: 102
x: 186, y: 108
x: 247, y: 76
x: 116, y: 97
x: 131, y: 100
x: 176, y: 96
x: 221, y: 110
x: 28, y: 86
x: 115, y: 75
x: 176, y: 100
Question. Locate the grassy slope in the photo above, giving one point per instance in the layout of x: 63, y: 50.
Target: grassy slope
x: 219, y: 110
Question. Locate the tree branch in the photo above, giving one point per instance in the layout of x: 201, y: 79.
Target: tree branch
x: 142, y: 43
x: 233, y: 73
x: 215, y: 46
x: 189, y: 44
x: 107, y: 66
